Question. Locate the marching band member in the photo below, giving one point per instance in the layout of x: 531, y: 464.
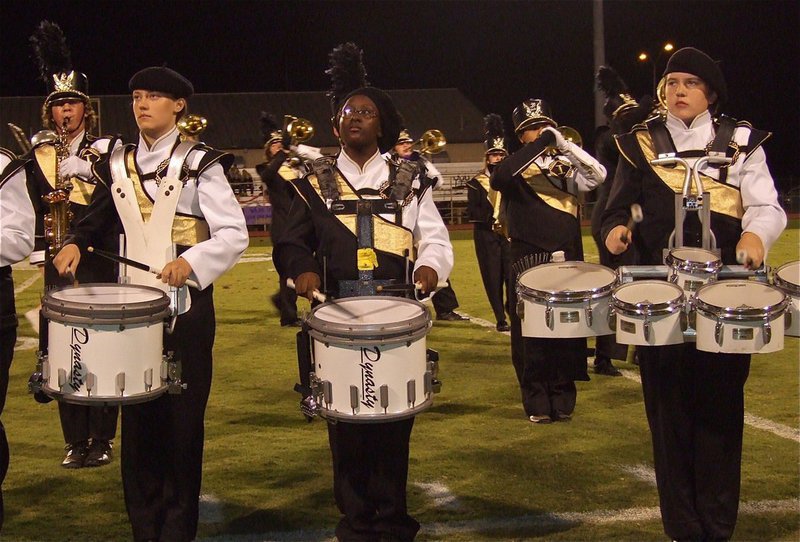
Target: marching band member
x: 162, y: 440
x: 88, y: 430
x: 370, y: 461
x: 445, y: 301
x: 483, y: 208
x: 17, y: 218
x: 695, y: 400
x: 539, y: 191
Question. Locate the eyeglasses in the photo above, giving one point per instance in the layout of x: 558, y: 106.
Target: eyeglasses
x: 350, y: 112
x: 150, y: 97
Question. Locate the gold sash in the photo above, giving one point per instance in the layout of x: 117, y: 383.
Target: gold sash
x: 552, y: 196
x: 387, y: 237
x: 81, y: 193
x: 725, y: 199
x: 186, y: 230
x: 288, y: 173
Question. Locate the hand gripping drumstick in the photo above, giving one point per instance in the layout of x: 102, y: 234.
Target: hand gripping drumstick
x: 636, y: 217
x: 133, y: 263
x: 744, y: 259
x: 322, y: 298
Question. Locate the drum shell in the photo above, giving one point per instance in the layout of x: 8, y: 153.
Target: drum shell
x: 786, y: 278
x: 369, y: 357
x: 96, y: 338
x: 691, y: 268
x: 665, y: 321
x: 720, y: 330
x: 559, y: 314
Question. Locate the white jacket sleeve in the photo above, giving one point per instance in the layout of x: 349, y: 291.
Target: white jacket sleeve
x: 17, y: 217
x: 431, y: 239
x: 763, y: 214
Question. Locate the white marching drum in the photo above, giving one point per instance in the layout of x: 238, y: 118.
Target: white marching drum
x: 649, y: 313
x: 565, y: 300
x: 105, y: 343
x: 370, y: 359
x: 740, y: 317
x: 691, y: 268
x: 787, y: 278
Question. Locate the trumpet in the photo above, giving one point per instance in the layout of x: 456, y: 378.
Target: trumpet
x: 300, y: 130
x: 191, y: 126
x: 571, y: 135
x: 431, y: 142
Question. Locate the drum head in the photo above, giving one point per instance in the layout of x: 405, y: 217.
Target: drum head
x: 787, y: 277
x: 691, y: 254
x: 578, y: 280
x: 370, y: 317
x: 740, y: 297
x: 652, y: 292
x: 106, y: 303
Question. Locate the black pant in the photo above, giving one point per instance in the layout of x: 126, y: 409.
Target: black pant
x: 370, y: 471
x: 82, y: 422
x: 286, y: 300
x: 162, y: 440
x: 8, y: 337
x: 695, y: 407
x: 608, y: 347
x: 445, y: 300
x: 491, y: 250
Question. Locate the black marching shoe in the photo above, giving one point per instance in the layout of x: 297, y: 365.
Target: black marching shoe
x: 451, y: 317
x: 76, y: 455
x: 503, y: 326
x: 603, y: 366
x: 99, y: 453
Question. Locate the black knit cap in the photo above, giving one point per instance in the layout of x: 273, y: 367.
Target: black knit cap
x: 390, y: 118
x: 161, y: 79
x: 696, y: 62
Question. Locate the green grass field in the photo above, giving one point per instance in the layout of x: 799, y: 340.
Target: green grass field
x: 479, y: 470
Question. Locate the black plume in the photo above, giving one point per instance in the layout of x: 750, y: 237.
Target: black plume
x: 50, y: 47
x: 268, y: 124
x: 493, y: 125
x: 347, y: 71
x: 610, y: 82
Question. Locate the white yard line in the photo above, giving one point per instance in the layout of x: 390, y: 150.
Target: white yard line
x: 27, y: 284
x: 519, y: 523
x: 440, y: 494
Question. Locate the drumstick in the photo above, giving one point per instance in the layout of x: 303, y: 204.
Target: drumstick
x: 322, y: 298
x: 636, y: 217
x: 133, y: 263
x: 406, y: 287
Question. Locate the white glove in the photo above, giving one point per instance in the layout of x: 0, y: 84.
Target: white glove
x: 561, y: 143
x: 75, y: 167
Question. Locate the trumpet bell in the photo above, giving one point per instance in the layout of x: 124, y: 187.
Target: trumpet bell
x: 301, y: 130
x: 571, y: 135
x: 192, y: 125
x: 432, y: 142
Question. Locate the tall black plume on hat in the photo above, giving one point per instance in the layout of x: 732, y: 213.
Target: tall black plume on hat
x: 493, y: 126
x: 269, y: 125
x: 347, y: 71
x: 50, y: 47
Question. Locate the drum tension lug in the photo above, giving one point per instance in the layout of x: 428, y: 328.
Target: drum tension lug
x: 718, y: 332
x: 767, y: 330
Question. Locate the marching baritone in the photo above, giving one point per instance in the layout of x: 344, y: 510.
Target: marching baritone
x: 67, y: 160
x: 370, y: 461
x: 539, y: 186
x: 17, y: 226
x: 694, y: 400
x: 483, y: 208
x: 162, y: 440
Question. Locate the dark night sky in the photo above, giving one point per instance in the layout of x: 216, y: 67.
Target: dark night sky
x: 497, y: 53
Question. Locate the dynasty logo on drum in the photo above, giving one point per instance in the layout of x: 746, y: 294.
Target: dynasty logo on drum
x: 369, y: 356
x: 78, y: 338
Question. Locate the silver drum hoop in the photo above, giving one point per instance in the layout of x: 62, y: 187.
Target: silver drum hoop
x: 787, y: 286
x: 712, y: 265
x: 742, y: 313
x: 57, y: 306
x: 367, y: 334
x: 649, y: 309
x: 564, y: 296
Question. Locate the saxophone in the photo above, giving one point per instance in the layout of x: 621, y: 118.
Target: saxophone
x: 56, y: 222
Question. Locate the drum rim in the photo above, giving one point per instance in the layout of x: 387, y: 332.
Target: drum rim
x: 652, y: 309
x: 135, y: 312
x: 345, y: 333
x: 565, y: 296
x: 677, y: 263
x: 789, y: 287
x: 768, y: 312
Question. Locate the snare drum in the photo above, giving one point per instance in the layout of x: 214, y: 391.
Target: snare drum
x: 740, y: 317
x: 649, y: 313
x: 105, y: 343
x: 565, y: 300
x: 787, y: 278
x: 690, y: 267
x: 371, y: 368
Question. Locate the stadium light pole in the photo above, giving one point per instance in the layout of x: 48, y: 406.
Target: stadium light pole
x: 646, y: 57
